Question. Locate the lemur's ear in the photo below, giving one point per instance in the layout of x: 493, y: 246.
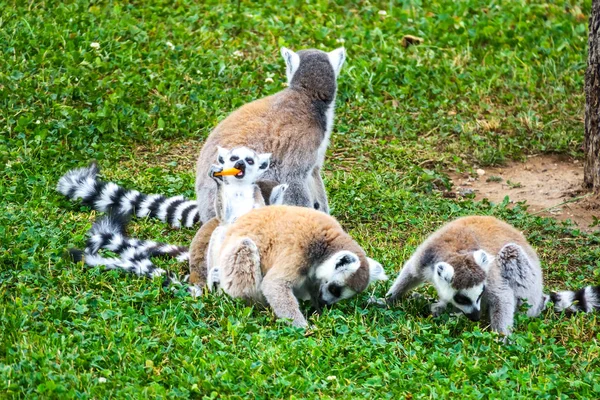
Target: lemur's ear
x: 264, y: 160
x: 222, y: 153
x: 376, y: 272
x: 483, y: 259
x: 445, y: 271
x: 277, y: 193
x: 292, y: 61
x: 337, y: 58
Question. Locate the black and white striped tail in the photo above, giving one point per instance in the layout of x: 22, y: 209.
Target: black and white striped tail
x: 83, y: 183
x: 134, y: 255
x: 583, y: 300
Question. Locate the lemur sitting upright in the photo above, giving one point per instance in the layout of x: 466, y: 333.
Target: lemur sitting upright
x: 294, y: 125
x: 237, y: 194
x: 473, y: 261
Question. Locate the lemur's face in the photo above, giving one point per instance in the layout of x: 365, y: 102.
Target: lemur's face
x: 250, y: 164
x: 461, y: 281
x: 333, y: 275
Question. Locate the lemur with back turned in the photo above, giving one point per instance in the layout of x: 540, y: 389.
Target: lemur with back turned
x: 294, y: 125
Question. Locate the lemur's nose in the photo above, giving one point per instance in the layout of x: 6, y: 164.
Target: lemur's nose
x: 241, y: 165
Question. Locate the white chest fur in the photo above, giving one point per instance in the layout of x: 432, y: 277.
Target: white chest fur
x: 238, y: 200
x: 328, y: 128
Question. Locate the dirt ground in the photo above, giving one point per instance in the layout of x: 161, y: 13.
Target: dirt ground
x: 551, y: 185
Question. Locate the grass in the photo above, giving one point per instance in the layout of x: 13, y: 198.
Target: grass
x: 490, y: 82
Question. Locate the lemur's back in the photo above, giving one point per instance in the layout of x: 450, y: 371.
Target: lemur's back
x: 481, y: 232
x: 282, y: 125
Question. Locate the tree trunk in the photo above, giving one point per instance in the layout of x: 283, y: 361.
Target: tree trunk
x: 591, y: 171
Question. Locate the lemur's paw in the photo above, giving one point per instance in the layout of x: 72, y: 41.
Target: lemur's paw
x: 214, y: 280
x: 195, y: 291
x: 375, y: 302
x: 214, y: 168
x: 437, y: 309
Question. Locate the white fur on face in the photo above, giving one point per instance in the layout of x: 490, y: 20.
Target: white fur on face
x: 256, y: 164
x: 442, y: 279
x: 474, y: 294
x: 336, y: 59
x: 292, y: 62
x: 336, y: 270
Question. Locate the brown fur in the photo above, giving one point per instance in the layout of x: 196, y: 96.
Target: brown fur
x: 198, y: 247
x: 278, y: 124
x: 455, y: 242
x: 270, y: 251
x: 286, y: 237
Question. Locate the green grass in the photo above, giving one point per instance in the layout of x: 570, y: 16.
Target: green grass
x: 491, y: 82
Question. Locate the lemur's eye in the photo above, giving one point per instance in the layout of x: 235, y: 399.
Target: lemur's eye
x: 221, y: 161
x: 335, y: 290
x: 343, y: 261
x: 462, y: 299
x: 250, y: 161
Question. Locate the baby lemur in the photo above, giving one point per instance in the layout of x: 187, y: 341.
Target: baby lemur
x: 475, y: 261
x: 236, y: 195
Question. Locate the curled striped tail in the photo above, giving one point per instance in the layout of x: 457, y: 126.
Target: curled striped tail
x: 84, y: 184
x: 134, y: 255
x: 583, y: 300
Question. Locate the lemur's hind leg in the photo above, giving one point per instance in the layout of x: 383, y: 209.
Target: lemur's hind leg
x: 297, y: 194
x: 523, y: 277
x: 240, y: 272
x: 408, y: 279
x: 198, y: 253
x: 318, y: 191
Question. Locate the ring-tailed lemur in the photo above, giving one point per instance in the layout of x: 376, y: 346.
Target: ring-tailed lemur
x: 473, y: 261
x: 237, y: 194
x: 84, y: 184
x: 582, y: 300
x: 309, y: 257
x: 294, y: 125
x: 279, y: 254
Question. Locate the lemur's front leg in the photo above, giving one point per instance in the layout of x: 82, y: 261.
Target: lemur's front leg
x: 438, y: 308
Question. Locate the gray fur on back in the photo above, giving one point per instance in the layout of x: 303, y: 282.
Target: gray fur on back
x: 294, y: 125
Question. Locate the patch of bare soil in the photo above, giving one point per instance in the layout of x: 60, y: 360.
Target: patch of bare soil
x: 551, y: 186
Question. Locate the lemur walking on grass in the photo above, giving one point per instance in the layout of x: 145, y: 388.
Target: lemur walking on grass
x: 480, y: 263
x: 476, y: 262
